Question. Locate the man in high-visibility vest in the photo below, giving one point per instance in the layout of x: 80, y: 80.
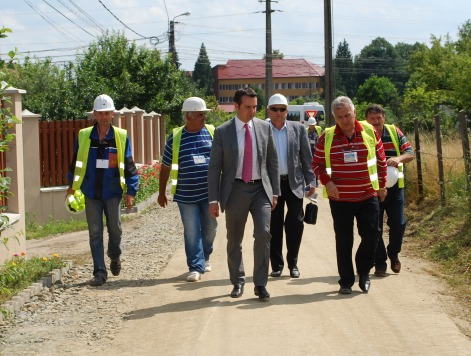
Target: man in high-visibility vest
x: 349, y: 161
x: 398, y: 151
x: 186, y: 161
x: 103, y: 168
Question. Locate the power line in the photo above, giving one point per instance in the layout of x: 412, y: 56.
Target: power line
x: 80, y: 27
x: 130, y: 29
x: 69, y: 36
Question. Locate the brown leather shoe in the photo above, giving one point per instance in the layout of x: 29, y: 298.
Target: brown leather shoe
x: 396, y: 265
x: 380, y: 272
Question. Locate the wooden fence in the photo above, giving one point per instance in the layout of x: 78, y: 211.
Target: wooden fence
x: 56, y: 146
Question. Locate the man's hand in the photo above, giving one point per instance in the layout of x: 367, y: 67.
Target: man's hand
x: 311, y: 191
x: 382, y: 193
x: 70, y: 191
x: 332, y: 190
x: 162, y: 200
x: 129, y: 201
x: 275, y: 201
x: 393, y: 161
x: 214, y: 210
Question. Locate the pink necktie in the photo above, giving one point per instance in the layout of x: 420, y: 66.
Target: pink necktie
x: 247, y: 164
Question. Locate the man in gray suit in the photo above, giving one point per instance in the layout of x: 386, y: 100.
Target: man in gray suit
x: 294, y: 160
x: 243, y: 177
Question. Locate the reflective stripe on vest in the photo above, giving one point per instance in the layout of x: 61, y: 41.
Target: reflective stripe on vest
x: 395, y: 140
x: 369, y: 139
x: 177, y: 137
x: 82, y: 155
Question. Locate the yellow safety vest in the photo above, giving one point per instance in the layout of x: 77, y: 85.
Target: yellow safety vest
x: 82, y: 155
x: 177, y: 137
x: 369, y: 138
x: 395, y: 140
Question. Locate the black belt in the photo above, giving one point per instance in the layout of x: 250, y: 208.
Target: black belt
x: 249, y: 182
x: 284, y: 177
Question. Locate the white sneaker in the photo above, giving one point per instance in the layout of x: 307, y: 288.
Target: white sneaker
x: 193, y: 276
x: 207, y: 266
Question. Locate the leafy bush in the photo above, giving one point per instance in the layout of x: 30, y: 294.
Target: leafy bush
x: 19, y: 272
x: 148, y: 182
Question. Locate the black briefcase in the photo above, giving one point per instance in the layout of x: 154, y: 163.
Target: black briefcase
x: 310, y: 215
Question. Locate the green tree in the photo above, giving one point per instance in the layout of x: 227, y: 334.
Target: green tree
x: 276, y: 54
x: 378, y: 90
x: 202, y: 74
x: 344, y: 71
x: 132, y: 75
x: 378, y: 58
x: 48, y: 88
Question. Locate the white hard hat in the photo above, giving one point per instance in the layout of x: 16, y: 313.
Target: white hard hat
x: 277, y: 99
x: 103, y: 103
x: 194, y: 104
x: 393, y: 175
x: 311, y: 121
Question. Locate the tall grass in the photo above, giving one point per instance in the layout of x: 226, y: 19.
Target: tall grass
x: 442, y: 234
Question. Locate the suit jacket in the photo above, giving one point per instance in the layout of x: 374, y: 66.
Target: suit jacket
x: 224, y: 156
x: 299, y: 158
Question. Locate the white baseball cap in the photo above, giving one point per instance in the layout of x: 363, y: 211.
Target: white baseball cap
x: 277, y: 99
x: 103, y: 103
x: 194, y: 104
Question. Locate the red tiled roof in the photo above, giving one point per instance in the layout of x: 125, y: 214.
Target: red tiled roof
x: 255, y: 68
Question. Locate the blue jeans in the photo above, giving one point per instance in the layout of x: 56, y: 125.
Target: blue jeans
x: 94, y: 209
x: 199, y: 231
x: 393, y: 205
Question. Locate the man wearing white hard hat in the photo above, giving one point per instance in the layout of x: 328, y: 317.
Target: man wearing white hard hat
x: 103, y: 169
x: 294, y: 162
x: 398, y: 151
x: 186, y: 160
x: 313, y: 133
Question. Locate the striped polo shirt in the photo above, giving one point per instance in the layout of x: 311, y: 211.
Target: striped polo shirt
x: 389, y: 149
x: 351, y: 178
x: 192, y: 184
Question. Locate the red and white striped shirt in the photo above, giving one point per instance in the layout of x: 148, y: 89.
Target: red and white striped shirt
x: 350, y: 176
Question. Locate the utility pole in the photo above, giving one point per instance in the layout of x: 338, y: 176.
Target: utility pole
x: 171, y: 43
x: 268, y: 53
x: 329, y: 70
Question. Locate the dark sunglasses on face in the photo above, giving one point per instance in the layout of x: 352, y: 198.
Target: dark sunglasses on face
x: 278, y: 109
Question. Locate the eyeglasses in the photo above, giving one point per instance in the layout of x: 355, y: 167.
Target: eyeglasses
x: 278, y: 109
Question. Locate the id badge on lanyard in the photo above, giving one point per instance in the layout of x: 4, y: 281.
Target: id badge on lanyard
x: 350, y: 157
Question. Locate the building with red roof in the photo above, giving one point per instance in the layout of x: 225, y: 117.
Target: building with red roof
x: 293, y: 78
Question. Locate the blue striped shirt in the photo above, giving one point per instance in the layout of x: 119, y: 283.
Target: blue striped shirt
x: 192, y: 183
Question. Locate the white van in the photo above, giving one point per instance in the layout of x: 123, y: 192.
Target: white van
x: 298, y: 112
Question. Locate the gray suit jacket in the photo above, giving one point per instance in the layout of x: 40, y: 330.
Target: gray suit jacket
x: 299, y: 158
x: 224, y: 155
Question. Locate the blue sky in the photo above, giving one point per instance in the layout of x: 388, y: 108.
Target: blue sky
x: 229, y: 29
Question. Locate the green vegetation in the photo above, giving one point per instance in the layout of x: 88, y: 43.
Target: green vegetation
x: 20, y: 272
x: 441, y: 234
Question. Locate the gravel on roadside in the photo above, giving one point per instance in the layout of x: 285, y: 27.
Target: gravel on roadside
x: 71, y: 313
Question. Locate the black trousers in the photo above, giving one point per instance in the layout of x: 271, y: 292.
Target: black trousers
x: 293, y: 225
x: 366, y: 214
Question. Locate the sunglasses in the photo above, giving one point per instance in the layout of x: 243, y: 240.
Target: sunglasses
x: 278, y: 109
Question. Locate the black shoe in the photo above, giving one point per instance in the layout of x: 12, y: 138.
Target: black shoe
x: 294, y: 272
x: 261, y: 292
x: 115, y: 267
x: 237, y: 291
x: 276, y: 273
x: 345, y: 290
x: 364, y: 282
x: 97, y: 281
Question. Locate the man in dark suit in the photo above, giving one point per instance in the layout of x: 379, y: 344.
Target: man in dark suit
x: 243, y: 177
x: 294, y: 161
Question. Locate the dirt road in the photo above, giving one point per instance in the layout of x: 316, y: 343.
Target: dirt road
x: 407, y: 313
